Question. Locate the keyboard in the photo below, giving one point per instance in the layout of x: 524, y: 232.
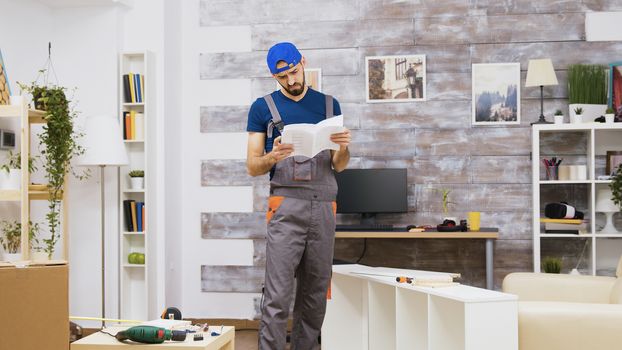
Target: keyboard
x: 369, y: 228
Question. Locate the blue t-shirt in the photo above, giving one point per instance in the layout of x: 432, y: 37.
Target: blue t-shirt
x: 311, y: 109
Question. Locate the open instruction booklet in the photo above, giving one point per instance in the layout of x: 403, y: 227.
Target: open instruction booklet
x: 310, y: 139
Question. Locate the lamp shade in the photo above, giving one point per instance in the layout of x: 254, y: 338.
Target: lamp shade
x: 102, y: 142
x: 540, y: 72
x: 604, y: 204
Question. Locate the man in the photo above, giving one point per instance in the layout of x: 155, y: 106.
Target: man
x: 301, y: 213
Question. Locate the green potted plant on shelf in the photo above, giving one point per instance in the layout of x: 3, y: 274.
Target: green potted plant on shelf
x: 577, y: 117
x: 552, y: 265
x: 587, y: 88
x: 11, y: 238
x: 558, y: 117
x: 59, y: 144
x: 137, y: 179
x: 610, y: 115
x: 616, y: 187
x: 10, y: 171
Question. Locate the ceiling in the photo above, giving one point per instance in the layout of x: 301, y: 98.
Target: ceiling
x: 81, y: 3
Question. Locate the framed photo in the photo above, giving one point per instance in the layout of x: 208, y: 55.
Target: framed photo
x: 614, y: 159
x: 395, y: 78
x: 495, y: 93
x: 313, y: 78
x: 5, y: 88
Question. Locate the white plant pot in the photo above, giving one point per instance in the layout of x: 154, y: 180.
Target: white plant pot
x: 39, y: 256
x: 12, y: 257
x: 576, y: 119
x: 12, y: 180
x: 609, y: 118
x: 590, y: 112
x: 137, y: 183
x: 558, y: 119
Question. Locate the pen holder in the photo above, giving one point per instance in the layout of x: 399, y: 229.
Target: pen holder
x: 552, y: 172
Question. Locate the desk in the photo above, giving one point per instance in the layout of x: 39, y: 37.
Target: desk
x: 487, y: 233
x: 101, y: 341
x: 376, y: 313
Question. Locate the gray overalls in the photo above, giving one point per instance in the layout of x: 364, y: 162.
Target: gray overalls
x: 300, y: 239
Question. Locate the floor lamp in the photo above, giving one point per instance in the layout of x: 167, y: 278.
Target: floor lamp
x: 541, y: 73
x: 103, y: 146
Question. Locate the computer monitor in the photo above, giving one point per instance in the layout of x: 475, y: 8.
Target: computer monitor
x: 372, y: 191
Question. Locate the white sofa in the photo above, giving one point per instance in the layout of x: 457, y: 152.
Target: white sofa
x: 567, y: 312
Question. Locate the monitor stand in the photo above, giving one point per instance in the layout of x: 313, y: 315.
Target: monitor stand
x: 368, y: 219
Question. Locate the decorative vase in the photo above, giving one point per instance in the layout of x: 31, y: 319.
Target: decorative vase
x: 12, y: 257
x: 576, y: 119
x: 137, y: 183
x: 40, y: 256
x: 559, y: 119
x: 609, y: 118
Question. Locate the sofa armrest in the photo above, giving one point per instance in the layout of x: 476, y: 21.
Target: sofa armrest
x: 568, y: 326
x: 558, y: 287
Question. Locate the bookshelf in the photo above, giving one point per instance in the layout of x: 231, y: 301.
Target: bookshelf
x: 135, y: 300
x: 27, y: 193
x: 595, y: 252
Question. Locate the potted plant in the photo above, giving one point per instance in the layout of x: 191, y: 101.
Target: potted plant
x: 445, y: 203
x: 10, y: 172
x: 587, y: 88
x: 558, y: 117
x: 11, y: 238
x: 552, y: 265
x: 616, y: 187
x: 609, y: 115
x: 577, y: 117
x: 137, y: 179
x: 59, y: 144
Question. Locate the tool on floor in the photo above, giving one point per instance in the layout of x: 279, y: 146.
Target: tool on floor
x: 150, y: 335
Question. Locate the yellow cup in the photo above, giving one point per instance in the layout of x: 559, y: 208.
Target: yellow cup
x: 473, y: 220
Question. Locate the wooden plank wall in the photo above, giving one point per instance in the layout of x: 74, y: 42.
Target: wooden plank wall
x: 487, y: 168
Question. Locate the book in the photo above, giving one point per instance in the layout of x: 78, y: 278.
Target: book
x: 562, y: 221
x: 139, y: 216
x: 134, y: 223
x: 311, y: 139
x: 138, y: 88
x: 143, y: 217
x: 139, y: 129
x: 128, y: 126
x: 132, y: 88
x: 133, y: 125
x: 127, y: 97
x: 127, y: 213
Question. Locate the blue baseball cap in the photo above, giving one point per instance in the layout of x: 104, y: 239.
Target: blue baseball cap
x: 286, y: 52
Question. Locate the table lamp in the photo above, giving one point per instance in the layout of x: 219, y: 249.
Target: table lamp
x: 604, y: 204
x: 540, y: 72
x: 103, y: 146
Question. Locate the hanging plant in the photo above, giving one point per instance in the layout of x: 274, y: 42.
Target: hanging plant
x: 59, y: 144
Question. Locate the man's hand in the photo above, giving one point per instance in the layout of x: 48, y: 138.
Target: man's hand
x: 280, y: 150
x: 341, y: 158
x: 343, y: 139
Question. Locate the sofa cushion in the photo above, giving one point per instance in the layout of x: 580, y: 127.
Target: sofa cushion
x: 616, y: 292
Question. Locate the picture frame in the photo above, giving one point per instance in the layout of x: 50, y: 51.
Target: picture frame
x: 5, y: 87
x: 614, y: 159
x: 614, y: 98
x: 395, y: 78
x: 313, y: 78
x: 495, y: 98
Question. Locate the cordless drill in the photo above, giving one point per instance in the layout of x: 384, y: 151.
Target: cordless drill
x: 150, y: 335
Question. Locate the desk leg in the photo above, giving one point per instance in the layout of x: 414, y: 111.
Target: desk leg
x: 489, y: 264
x: 230, y: 345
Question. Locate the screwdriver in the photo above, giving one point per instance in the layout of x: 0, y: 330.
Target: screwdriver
x: 402, y: 279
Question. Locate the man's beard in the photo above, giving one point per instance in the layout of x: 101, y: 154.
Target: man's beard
x: 295, y: 91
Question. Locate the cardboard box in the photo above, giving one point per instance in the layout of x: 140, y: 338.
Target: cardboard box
x: 34, y: 308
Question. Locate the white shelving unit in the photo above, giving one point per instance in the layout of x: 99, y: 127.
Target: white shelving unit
x: 372, y: 312
x: 602, y: 250
x: 136, y: 301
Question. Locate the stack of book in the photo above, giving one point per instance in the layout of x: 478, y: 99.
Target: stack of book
x: 133, y: 84
x: 565, y: 226
x: 133, y: 126
x: 134, y: 215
